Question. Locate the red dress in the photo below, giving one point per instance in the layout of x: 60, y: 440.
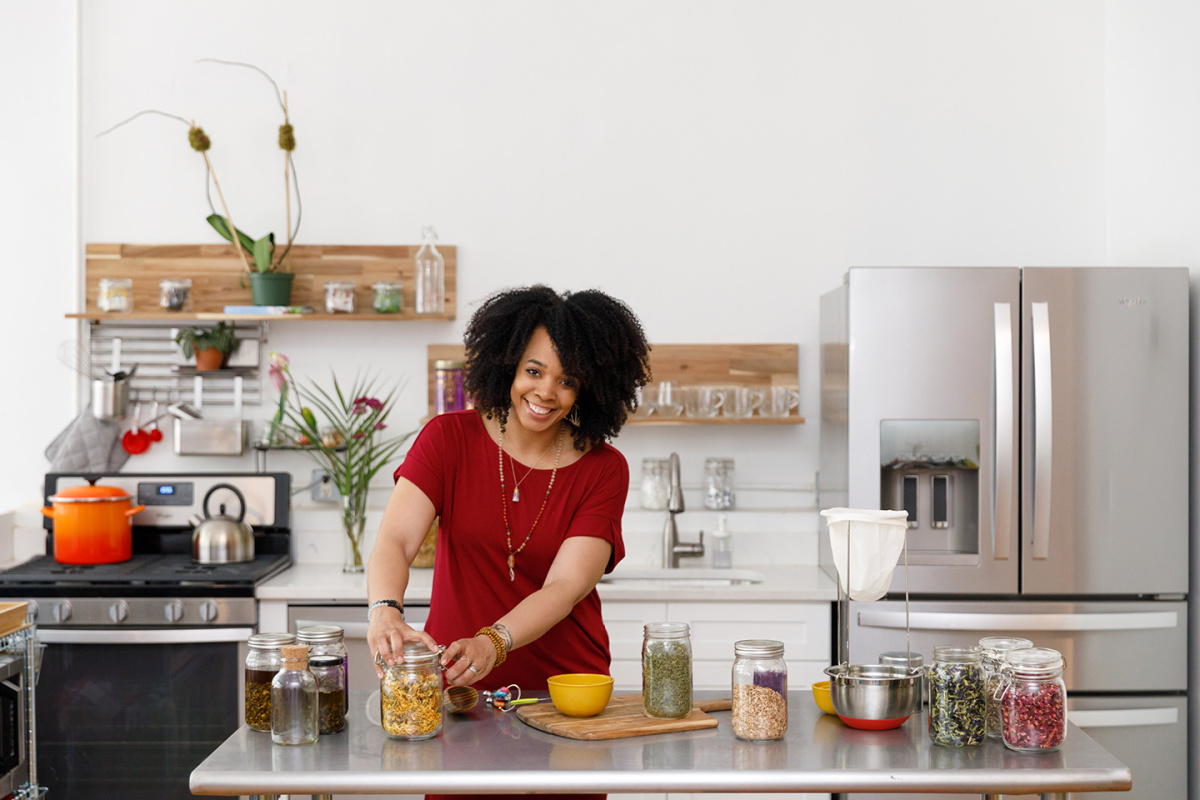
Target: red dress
x: 454, y: 461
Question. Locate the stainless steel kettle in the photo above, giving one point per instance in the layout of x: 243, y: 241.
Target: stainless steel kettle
x: 222, y: 539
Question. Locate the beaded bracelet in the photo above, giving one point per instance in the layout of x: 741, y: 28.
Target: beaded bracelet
x: 388, y: 603
x: 497, y: 642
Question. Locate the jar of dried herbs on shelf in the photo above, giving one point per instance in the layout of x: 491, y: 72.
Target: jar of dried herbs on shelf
x: 328, y: 640
x: 411, y: 695
x: 666, y: 670
x: 994, y: 648
x: 330, y: 675
x: 389, y: 296
x: 759, y: 690
x: 1033, y: 707
x: 175, y: 294
x: 264, y: 659
x: 956, y: 705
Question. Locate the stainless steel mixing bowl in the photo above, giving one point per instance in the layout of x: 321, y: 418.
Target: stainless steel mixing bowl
x: 873, y: 692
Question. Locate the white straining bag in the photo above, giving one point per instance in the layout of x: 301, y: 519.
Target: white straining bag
x: 876, y: 541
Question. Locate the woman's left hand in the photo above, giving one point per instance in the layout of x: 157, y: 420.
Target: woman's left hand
x: 468, y: 660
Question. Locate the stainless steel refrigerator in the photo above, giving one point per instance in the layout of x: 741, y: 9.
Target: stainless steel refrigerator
x: 1034, y: 423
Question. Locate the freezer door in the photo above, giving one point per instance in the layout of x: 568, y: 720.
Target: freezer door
x: 932, y: 423
x: 1148, y: 734
x: 1104, y: 492
x: 1106, y: 647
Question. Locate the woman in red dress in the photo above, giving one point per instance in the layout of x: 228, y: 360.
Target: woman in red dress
x: 529, y: 494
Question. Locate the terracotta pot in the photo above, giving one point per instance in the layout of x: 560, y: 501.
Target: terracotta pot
x: 92, y: 525
x: 209, y: 359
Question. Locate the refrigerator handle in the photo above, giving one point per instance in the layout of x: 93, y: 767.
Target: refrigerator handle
x: 1043, y: 432
x: 1001, y: 621
x: 1122, y: 717
x: 1004, y: 446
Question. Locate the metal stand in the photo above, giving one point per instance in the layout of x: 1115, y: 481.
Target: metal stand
x: 24, y: 640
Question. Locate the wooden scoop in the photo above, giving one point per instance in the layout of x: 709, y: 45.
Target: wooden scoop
x: 460, y: 699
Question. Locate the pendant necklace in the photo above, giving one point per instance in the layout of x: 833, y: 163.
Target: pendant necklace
x: 512, y: 554
x: 516, y: 495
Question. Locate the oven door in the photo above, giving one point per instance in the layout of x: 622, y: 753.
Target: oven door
x: 130, y: 713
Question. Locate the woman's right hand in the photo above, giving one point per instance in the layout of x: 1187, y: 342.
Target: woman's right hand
x: 387, y: 634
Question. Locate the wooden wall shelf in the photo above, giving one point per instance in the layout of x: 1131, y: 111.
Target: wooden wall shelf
x: 757, y: 365
x: 216, y: 270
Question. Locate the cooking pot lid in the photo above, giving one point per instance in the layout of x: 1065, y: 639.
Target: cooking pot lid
x: 90, y: 494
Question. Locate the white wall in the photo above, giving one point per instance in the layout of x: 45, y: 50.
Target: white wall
x: 716, y: 164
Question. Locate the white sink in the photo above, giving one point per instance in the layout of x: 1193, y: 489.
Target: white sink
x: 684, y: 576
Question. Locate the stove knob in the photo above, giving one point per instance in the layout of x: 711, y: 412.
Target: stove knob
x: 62, y: 611
x: 208, y: 611
x: 173, y: 611
x: 118, y: 611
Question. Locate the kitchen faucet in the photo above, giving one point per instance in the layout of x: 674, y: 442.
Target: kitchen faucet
x: 673, y: 549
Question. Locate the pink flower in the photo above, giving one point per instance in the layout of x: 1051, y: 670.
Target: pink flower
x: 278, y: 369
x: 380, y: 426
x: 359, y: 436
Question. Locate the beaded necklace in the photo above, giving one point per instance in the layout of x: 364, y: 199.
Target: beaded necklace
x: 512, y: 554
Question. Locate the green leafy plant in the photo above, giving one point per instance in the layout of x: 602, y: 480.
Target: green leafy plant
x: 221, y: 337
x: 351, y: 446
x: 261, y: 250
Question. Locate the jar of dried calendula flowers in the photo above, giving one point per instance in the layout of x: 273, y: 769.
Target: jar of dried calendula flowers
x: 411, y: 695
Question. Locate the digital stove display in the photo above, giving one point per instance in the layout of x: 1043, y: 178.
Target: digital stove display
x: 165, y: 494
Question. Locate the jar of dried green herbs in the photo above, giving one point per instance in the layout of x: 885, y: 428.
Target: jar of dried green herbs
x: 994, y: 649
x: 667, y: 670
x: 956, y: 704
x: 759, y: 690
x: 264, y: 659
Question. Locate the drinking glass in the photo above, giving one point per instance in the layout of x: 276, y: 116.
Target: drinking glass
x: 740, y: 401
x: 645, y: 404
x: 779, y: 401
x: 702, y: 402
x: 668, y: 401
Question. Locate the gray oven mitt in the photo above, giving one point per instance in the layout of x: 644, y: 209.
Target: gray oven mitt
x: 87, y: 445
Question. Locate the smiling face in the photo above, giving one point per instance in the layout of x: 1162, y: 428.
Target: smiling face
x: 541, y: 394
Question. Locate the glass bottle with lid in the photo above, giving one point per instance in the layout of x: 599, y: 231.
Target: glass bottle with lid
x: 759, y: 690
x: 329, y: 672
x: 264, y: 659
x: 1033, y: 706
x: 294, y: 699
x: 956, y: 706
x: 431, y: 274
x: 328, y: 640
x: 667, y: 670
x: 718, y: 484
x: 411, y: 695
x: 655, y: 483
x: 994, y: 648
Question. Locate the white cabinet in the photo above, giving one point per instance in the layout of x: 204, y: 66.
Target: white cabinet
x: 804, y: 629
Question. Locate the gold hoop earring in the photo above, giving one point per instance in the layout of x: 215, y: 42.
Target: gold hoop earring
x: 573, y: 417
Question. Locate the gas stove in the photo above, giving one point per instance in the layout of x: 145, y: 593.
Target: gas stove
x: 161, y: 585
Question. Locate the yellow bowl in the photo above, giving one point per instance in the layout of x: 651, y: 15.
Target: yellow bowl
x: 580, y: 694
x: 821, y: 694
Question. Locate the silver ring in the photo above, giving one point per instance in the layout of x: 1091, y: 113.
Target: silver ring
x: 473, y: 668
x: 379, y: 660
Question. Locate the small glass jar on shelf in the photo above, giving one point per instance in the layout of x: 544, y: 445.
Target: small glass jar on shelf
x: 339, y: 297
x: 115, y: 295
x: 389, y: 297
x: 448, y: 392
x: 175, y: 294
x: 655, y: 483
x: 718, y: 484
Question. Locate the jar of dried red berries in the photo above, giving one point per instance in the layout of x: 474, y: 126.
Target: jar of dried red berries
x: 1033, y: 707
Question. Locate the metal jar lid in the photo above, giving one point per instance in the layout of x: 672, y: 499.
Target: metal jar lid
x: 324, y: 662
x: 448, y: 364
x: 902, y: 658
x: 758, y: 648
x: 416, y: 654
x: 320, y: 634
x: 270, y: 641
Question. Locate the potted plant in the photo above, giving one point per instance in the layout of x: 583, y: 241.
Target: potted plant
x: 209, y: 346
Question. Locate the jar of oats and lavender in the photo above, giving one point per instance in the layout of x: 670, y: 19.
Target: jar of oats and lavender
x: 759, y: 690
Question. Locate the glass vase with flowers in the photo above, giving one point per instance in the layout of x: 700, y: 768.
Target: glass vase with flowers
x: 350, y: 445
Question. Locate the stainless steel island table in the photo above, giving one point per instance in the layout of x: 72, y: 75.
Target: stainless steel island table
x: 493, y: 752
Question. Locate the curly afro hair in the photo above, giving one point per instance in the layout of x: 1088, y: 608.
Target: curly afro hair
x: 597, y: 338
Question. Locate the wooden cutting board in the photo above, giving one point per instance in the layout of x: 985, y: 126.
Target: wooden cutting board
x: 623, y: 717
